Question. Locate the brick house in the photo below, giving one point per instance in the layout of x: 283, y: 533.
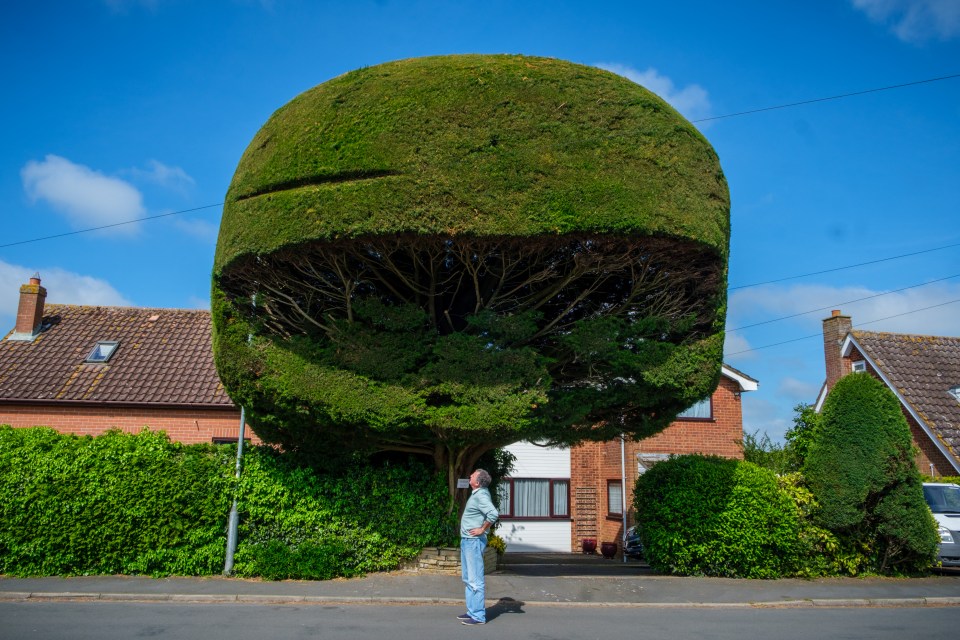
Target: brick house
x: 85, y: 370
x: 577, y: 493
x: 922, y: 371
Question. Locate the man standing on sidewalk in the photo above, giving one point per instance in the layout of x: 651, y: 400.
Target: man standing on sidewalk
x: 478, y: 516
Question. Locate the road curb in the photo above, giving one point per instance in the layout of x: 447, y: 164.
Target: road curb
x: 182, y: 598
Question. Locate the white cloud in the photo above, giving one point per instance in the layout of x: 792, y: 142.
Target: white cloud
x: 63, y: 287
x: 87, y: 197
x: 764, y: 417
x: 692, y: 100
x: 735, y: 346
x: 173, y: 178
x: 898, y: 312
x: 196, y: 302
x: 797, y: 390
x: 915, y: 20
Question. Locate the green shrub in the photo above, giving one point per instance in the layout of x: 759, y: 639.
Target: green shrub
x: 113, y: 504
x: 714, y: 516
x: 764, y: 452
x: 139, y: 504
x: 314, y: 526
x: 861, y: 469
x: 801, y: 434
x: 820, y: 552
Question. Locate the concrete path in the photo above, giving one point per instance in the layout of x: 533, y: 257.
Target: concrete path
x: 524, y: 579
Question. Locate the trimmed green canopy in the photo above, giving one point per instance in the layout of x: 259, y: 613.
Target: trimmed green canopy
x: 480, y: 145
x: 445, y: 255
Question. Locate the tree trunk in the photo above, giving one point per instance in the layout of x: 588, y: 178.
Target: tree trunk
x: 457, y: 463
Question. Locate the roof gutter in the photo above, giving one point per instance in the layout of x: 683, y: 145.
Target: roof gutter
x: 117, y: 405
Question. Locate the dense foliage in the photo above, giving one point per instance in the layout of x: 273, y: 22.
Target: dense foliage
x: 786, y: 457
x: 445, y: 255
x: 860, y: 468
x: 715, y: 516
x: 139, y: 504
x: 800, y: 436
x: 762, y: 451
x: 112, y: 504
x: 299, y: 524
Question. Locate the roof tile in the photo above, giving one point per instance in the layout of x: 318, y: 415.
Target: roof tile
x: 923, y: 369
x: 165, y: 357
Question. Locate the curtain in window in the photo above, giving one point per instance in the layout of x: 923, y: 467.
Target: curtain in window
x: 699, y: 410
x: 560, y: 491
x: 532, y: 499
x: 503, y: 495
x: 614, y: 498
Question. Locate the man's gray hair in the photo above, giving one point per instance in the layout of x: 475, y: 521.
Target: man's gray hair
x: 483, y: 478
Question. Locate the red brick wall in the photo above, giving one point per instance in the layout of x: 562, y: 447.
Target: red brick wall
x: 594, y: 463
x: 835, y: 330
x: 182, y: 425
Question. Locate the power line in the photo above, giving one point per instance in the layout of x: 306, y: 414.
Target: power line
x: 837, y: 97
x: 849, y: 266
x: 839, y: 304
x: 743, y: 286
x: 108, y: 226
x: 817, y: 335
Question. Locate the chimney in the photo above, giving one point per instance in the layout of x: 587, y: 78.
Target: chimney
x: 835, y: 330
x: 30, y: 311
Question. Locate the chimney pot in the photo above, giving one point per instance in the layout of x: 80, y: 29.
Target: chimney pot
x: 30, y: 310
x: 835, y: 330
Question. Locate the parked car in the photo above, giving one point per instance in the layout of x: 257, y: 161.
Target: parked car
x: 944, y: 501
x: 633, y: 548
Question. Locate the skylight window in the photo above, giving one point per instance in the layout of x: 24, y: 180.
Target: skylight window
x: 102, y: 351
x: 955, y: 392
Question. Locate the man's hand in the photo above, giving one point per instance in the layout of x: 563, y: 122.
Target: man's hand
x: 478, y: 531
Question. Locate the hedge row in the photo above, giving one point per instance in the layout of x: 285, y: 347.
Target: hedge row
x: 140, y: 504
x: 705, y: 515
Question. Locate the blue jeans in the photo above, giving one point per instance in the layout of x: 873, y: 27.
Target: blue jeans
x: 471, y: 569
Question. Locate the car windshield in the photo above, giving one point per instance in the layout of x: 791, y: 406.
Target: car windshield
x: 942, y: 499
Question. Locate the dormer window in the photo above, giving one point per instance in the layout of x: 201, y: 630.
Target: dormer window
x: 860, y: 366
x: 102, y: 352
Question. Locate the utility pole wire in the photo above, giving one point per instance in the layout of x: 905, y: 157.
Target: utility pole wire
x: 849, y: 266
x: 108, y: 226
x: 839, y: 304
x: 817, y: 335
x: 837, y: 97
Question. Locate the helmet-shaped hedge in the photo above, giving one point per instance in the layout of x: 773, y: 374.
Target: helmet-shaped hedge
x: 478, y: 245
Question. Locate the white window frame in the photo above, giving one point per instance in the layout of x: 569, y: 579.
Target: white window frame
x: 102, y: 352
x: 611, y: 484
x: 556, y: 487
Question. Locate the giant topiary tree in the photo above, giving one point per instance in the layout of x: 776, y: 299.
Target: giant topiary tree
x: 445, y: 255
x: 860, y: 467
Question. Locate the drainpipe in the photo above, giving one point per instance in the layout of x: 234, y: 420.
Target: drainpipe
x: 623, y: 495
x: 234, y: 521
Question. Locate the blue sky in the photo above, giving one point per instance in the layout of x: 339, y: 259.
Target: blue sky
x: 116, y: 110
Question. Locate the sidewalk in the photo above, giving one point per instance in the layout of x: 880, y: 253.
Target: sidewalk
x: 524, y: 580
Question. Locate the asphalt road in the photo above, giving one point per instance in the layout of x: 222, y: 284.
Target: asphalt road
x: 118, y: 620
